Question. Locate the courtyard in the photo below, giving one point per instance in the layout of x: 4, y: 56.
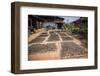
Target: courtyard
x: 55, y: 44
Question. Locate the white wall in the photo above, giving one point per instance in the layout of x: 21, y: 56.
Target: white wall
x: 5, y: 35
x: 45, y: 24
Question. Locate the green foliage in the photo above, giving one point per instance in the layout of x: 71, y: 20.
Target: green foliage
x: 82, y: 29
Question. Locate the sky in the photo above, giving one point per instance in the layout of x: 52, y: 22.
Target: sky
x: 68, y: 19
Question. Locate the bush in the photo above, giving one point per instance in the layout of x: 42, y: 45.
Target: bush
x: 77, y: 30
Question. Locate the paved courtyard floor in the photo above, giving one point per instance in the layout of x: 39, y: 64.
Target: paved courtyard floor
x: 54, y: 44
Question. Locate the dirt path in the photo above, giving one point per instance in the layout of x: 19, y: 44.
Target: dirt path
x: 55, y: 45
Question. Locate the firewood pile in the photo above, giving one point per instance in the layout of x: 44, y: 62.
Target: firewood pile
x: 53, y: 37
x: 41, y: 48
x: 43, y: 35
x: 72, y: 50
x: 37, y: 40
x: 66, y: 38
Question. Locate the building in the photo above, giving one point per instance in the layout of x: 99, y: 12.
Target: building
x: 36, y: 22
x: 81, y: 22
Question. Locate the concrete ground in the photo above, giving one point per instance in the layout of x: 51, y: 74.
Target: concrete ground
x: 55, y: 44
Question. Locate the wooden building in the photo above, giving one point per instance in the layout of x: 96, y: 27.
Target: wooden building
x: 81, y: 22
x: 36, y: 22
